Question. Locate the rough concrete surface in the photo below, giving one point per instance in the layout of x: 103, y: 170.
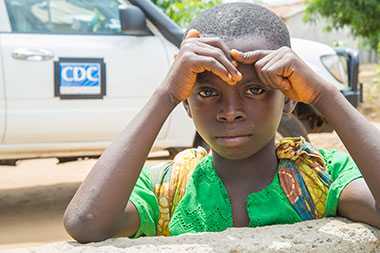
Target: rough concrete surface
x: 324, y: 235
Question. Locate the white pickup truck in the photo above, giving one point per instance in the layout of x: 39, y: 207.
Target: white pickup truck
x: 73, y: 73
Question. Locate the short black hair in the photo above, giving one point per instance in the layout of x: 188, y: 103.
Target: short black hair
x: 239, y: 20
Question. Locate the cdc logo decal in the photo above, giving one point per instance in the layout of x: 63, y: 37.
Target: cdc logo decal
x: 80, y: 75
x: 78, y: 78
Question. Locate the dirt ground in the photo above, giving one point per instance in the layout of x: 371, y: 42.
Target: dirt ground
x: 34, y: 194
x: 370, y: 77
x: 33, y: 197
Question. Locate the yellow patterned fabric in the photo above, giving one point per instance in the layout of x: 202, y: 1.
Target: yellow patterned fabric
x: 171, y: 188
x: 304, y: 177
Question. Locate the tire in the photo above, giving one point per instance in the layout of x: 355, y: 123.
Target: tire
x: 76, y: 158
x: 291, y: 126
x: 8, y: 162
x: 67, y: 159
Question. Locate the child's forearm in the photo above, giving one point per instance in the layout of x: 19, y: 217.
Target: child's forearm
x: 103, y: 195
x: 361, y: 137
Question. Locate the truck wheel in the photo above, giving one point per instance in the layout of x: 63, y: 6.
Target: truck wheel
x: 291, y: 126
x: 67, y: 159
x: 8, y: 162
x: 76, y: 158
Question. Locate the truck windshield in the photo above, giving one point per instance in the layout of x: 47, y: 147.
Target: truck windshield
x: 337, y: 67
x: 64, y: 16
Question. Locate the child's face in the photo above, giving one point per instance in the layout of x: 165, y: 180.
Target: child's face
x: 236, y: 121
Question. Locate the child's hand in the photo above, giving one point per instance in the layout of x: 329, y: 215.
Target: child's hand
x: 283, y: 69
x: 195, y: 56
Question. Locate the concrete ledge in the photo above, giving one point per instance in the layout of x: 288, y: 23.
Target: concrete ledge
x: 324, y: 235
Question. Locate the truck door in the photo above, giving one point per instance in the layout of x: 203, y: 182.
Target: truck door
x: 2, y: 100
x: 4, y: 27
x: 71, y: 74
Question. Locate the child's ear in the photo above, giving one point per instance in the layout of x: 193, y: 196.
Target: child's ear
x: 289, y: 105
x: 185, y: 104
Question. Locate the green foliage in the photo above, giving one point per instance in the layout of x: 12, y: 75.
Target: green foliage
x: 362, y: 16
x: 183, y: 11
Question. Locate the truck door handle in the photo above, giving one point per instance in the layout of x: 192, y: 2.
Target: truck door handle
x: 26, y: 54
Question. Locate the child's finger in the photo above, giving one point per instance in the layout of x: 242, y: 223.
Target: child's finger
x: 288, y: 91
x: 278, y: 69
x: 259, y: 67
x: 264, y: 68
x: 278, y: 73
x: 206, y: 63
x: 207, y: 50
x: 265, y: 79
x: 271, y: 78
x: 285, y: 84
x: 249, y: 57
x: 218, y: 43
x: 212, y: 41
x: 272, y: 59
x: 193, y: 33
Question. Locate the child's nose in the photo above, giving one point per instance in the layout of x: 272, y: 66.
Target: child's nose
x: 230, y: 116
x: 231, y: 110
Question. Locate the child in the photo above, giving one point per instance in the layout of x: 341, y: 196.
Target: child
x: 236, y: 75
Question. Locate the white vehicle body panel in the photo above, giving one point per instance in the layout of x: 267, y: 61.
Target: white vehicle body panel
x: 36, y: 116
x: 4, y: 27
x: 4, y: 20
x: 311, y: 52
x: 181, y: 130
x: 2, y: 100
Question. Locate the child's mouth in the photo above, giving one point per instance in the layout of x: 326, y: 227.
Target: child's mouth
x: 232, y: 141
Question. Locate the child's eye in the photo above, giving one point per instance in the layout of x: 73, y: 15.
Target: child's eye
x: 255, y: 91
x: 207, y: 92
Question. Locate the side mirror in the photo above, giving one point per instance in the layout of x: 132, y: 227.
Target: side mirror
x: 352, y: 59
x: 133, y: 21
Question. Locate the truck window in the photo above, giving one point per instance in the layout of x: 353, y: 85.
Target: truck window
x: 64, y: 16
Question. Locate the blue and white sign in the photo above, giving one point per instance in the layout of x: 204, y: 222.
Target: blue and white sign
x: 78, y: 78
